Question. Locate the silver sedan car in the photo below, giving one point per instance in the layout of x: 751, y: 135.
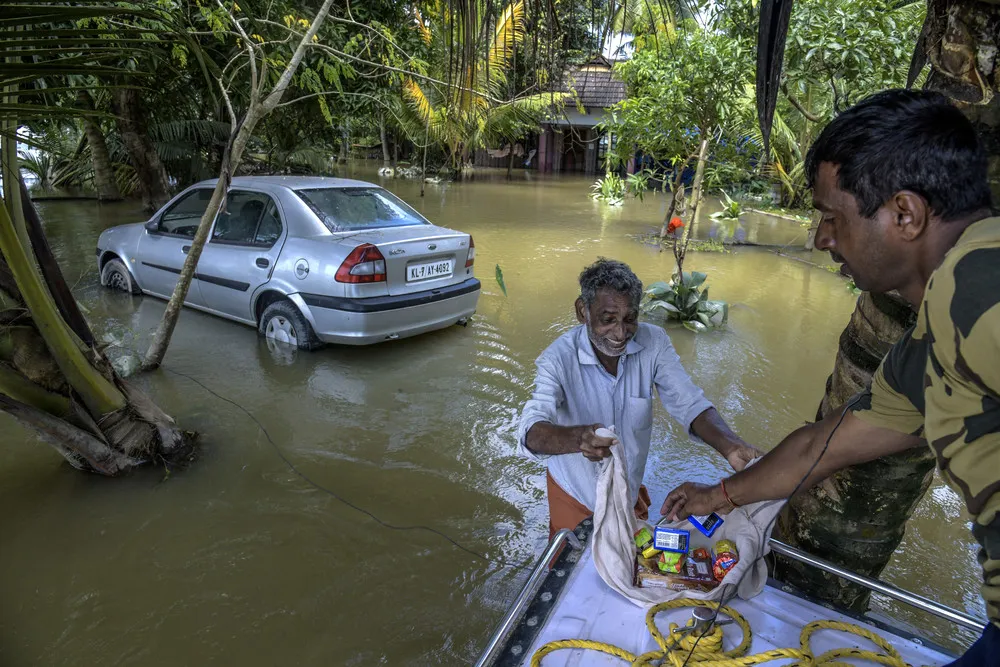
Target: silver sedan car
x: 306, y: 260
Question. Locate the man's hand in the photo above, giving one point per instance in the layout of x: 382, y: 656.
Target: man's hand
x: 593, y: 446
x: 691, y: 498
x: 740, y: 457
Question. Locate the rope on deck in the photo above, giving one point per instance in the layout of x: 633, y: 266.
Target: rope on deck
x: 706, y: 651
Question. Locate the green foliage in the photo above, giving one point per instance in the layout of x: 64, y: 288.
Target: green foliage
x: 610, y: 189
x: 686, y: 300
x: 479, y: 110
x: 638, y: 183
x: 731, y: 210
x: 850, y: 48
x: 689, y: 85
x: 500, y: 281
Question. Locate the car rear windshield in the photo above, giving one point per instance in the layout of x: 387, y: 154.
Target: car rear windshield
x: 350, y: 209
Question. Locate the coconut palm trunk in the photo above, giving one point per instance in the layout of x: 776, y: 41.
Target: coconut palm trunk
x: 152, y: 176
x: 857, y: 517
x: 52, y: 377
x: 104, y: 175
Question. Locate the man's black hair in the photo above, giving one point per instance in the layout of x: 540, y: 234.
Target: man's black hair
x: 905, y: 140
x: 613, y: 275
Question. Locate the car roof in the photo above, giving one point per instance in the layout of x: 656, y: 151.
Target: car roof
x: 292, y: 182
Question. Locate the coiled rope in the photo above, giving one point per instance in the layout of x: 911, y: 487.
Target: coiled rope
x: 688, y: 649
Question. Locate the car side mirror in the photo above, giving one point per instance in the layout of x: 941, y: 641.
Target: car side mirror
x: 153, y: 226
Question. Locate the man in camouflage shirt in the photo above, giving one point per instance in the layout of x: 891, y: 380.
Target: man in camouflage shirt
x: 901, y: 182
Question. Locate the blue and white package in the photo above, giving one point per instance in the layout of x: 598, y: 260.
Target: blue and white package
x: 671, y: 539
x: 706, y: 525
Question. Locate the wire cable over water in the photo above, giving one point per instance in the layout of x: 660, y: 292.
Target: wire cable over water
x: 336, y: 496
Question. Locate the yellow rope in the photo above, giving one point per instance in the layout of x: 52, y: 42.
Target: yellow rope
x: 707, y: 652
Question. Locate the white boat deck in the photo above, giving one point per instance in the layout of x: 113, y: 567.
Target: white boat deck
x: 588, y: 609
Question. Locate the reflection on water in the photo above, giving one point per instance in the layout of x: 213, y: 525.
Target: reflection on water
x: 239, y: 561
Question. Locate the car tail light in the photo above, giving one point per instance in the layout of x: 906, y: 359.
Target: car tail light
x: 472, y: 253
x: 365, y: 264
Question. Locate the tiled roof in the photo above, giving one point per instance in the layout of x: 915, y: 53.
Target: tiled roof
x: 594, y: 83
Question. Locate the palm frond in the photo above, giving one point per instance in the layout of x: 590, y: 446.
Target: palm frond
x: 507, y: 36
x: 50, y: 40
x: 415, y: 95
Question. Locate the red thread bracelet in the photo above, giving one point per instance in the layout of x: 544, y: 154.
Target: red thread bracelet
x: 729, y: 500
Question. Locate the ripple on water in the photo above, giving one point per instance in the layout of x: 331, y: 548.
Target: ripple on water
x: 239, y: 558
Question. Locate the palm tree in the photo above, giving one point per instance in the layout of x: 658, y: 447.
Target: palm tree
x: 857, y: 517
x: 53, y: 376
x: 474, y: 56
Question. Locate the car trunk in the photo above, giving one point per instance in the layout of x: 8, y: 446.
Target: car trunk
x: 419, y: 258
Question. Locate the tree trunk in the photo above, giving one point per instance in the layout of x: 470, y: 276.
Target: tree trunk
x: 343, y: 146
x: 104, y: 175
x: 675, y: 197
x: 240, y: 135
x: 385, y: 141
x: 161, y: 337
x: 694, y: 203
x: 395, y: 149
x: 53, y: 381
x: 857, y: 517
x: 961, y: 40
x: 129, y: 116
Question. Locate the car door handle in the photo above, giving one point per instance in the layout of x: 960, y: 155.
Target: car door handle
x: 263, y: 263
x: 185, y: 249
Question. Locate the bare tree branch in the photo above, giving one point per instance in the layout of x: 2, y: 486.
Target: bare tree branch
x: 286, y: 76
x: 251, y: 56
x: 798, y: 105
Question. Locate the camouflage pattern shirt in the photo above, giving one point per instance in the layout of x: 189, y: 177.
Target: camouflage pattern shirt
x: 942, y: 382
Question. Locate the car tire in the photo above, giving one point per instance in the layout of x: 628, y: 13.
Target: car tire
x: 282, y: 322
x: 116, y: 276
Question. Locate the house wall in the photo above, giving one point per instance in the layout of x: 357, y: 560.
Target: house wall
x: 572, y: 116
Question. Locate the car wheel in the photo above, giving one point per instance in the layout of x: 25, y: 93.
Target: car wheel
x: 115, y: 275
x: 283, y: 323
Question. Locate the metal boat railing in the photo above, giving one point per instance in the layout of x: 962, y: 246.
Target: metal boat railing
x: 514, y: 613
x: 878, y: 586
x: 565, y: 535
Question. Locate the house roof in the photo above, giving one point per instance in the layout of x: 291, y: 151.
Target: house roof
x: 594, y: 82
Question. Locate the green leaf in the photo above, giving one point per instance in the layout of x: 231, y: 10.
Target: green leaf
x: 658, y: 288
x: 703, y: 318
x: 695, y: 326
x: 662, y: 305
x: 694, y: 278
x: 500, y: 282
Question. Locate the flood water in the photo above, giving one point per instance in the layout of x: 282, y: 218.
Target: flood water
x: 241, y: 560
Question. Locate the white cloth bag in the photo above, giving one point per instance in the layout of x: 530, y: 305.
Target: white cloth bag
x: 614, y: 545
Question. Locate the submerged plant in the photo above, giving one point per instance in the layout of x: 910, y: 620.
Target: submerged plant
x: 684, y: 299
x: 610, y: 189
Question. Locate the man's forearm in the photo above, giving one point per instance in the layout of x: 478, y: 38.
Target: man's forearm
x: 777, y: 474
x: 713, y: 429
x: 545, y: 438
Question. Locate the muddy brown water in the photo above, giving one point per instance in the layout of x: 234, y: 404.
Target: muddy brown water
x: 239, y: 560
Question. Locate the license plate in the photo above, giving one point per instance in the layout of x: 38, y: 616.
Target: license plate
x: 416, y: 272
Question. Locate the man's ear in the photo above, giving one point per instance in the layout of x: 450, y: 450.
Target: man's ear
x: 581, y: 315
x: 911, y: 214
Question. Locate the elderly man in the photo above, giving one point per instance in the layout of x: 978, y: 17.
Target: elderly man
x: 602, y: 373
x: 901, y: 181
